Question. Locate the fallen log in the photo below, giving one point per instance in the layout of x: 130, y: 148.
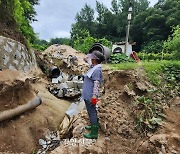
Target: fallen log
x: 20, y: 109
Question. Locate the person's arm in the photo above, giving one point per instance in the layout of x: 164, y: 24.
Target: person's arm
x: 96, y: 90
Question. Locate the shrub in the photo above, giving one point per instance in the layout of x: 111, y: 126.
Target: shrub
x: 84, y: 43
x: 172, y: 45
x: 152, y: 47
x: 153, y: 56
x: 120, y: 58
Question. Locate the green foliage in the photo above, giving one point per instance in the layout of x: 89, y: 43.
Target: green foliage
x: 17, y: 16
x: 148, y: 113
x: 120, y: 58
x: 172, y: 45
x: 155, y: 23
x: 157, y: 69
x: 152, y: 47
x: 85, y: 41
x: 153, y: 69
x: 109, y: 23
x: 154, y: 56
x: 84, y: 20
x: 171, y: 73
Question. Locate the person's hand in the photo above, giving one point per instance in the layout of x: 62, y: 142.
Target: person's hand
x: 94, y: 100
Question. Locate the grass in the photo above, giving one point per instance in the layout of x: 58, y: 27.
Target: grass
x: 155, y: 68
x: 152, y: 68
x: 123, y: 66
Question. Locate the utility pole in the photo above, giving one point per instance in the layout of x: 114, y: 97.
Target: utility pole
x: 128, y: 27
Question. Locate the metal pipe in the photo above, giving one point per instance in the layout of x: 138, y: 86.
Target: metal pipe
x: 20, y: 109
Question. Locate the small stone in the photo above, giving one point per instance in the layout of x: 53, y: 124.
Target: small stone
x: 174, y: 151
x: 60, y: 94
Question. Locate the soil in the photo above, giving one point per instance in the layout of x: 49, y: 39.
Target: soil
x: 56, y: 55
x: 21, y: 133
x: 10, y: 31
x: 117, y: 133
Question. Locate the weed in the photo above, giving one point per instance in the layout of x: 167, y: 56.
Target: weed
x: 148, y: 114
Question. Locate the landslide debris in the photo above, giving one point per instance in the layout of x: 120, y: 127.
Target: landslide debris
x: 118, y: 133
x: 69, y: 60
x: 21, y: 133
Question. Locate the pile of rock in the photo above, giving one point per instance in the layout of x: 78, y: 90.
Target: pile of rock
x: 65, y: 85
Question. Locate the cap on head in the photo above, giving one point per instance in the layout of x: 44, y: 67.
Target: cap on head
x: 97, y: 55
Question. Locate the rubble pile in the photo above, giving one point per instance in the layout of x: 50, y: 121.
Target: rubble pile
x: 66, y: 58
x: 50, y: 142
x: 66, y: 85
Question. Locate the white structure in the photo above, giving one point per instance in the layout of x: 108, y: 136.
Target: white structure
x: 121, y: 47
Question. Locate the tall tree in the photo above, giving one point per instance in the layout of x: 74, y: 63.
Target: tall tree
x: 85, y: 18
x: 155, y: 24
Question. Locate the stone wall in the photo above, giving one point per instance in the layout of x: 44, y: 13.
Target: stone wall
x: 15, y: 56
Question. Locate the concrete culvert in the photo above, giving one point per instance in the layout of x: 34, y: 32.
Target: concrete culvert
x: 117, y: 50
x: 54, y: 72
x: 103, y: 49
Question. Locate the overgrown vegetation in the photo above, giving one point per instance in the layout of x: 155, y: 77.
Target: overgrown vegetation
x: 158, y: 56
x: 172, y: 45
x: 150, y: 25
x: 167, y: 50
x: 148, y: 113
x: 157, y: 69
x: 15, y: 19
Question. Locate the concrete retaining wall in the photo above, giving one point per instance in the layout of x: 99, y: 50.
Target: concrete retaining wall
x: 15, y: 56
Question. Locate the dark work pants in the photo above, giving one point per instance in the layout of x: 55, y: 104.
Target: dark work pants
x: 92, y: 113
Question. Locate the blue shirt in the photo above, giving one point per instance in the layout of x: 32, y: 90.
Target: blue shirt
x: 88, y: 85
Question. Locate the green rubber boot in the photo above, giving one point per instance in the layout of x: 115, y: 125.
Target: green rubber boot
x: 94, y: 132
x: 88, y: 127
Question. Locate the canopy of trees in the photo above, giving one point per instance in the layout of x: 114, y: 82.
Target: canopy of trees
x: 149, y: 24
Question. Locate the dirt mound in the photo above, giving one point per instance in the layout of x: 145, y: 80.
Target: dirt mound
x: 66, y: 58
x: 118, y: 132
x: 117, y: 127
x: 18, y: 91
x: 21, y: 133
x: 167, y: 138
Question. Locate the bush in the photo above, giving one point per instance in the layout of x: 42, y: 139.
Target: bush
x: 120, y: 58
x: 153, y: 56
x: 172, y: 45
x: 152, y: 47
x: 85, y: 42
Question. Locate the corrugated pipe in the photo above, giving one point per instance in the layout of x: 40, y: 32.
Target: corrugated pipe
x: 20, y: 109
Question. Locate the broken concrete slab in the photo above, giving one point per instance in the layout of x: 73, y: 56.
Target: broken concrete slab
x: 75, y: 108
x: 62, y: 86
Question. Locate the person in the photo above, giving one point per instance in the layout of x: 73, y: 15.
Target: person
x: 91, y: 89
